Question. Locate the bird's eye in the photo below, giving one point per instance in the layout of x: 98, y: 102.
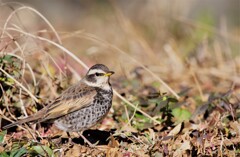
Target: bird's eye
x: 98, y: 74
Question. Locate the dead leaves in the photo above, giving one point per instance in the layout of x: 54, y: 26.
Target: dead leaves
x: 213, y: 128
x: 81, y: 151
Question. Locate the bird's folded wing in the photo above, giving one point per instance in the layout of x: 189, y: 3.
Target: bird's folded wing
x: 73, y: 99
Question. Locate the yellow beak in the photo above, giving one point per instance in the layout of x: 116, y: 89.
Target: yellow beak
x: 109, y: 73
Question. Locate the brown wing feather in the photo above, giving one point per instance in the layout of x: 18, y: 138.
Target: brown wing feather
x: 73, y: 99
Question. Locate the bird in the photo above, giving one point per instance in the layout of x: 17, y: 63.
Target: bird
x: 79, y: 107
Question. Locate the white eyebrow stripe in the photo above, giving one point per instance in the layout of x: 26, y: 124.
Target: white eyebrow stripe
x: 103, y: 86
x: 95, y: 71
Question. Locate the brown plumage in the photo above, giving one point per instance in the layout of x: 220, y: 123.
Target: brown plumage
x: 80, y: 106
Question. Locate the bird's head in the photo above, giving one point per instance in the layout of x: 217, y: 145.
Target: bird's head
x: 98, y: 76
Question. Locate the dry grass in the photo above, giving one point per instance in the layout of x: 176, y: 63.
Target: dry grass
x: 180, y: 88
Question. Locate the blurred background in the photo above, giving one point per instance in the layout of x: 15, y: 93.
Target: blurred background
x: 74, y: 14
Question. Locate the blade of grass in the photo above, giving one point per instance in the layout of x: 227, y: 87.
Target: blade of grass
x: 19, y: 84
x: 36, y: 12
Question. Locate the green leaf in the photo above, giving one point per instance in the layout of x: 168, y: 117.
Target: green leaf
x: 9, y: 81
x: 164, y: 98
x: 2, y: 135
x: 141, y: 122
x: 140, y: 116
x: 42, y: 150
x: 181, y: 114
x: 18, y: 152
x: 8, y: 58
x: 4, y: 154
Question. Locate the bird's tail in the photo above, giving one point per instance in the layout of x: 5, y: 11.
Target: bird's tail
x: 24, y: 120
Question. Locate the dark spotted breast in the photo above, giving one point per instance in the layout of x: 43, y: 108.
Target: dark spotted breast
x: 88, y: 116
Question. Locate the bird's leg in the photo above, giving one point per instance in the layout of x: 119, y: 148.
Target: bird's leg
x: 86, y: 140
x: 69, y: 138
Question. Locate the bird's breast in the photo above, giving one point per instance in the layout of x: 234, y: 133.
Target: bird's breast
x: 88, y: 116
